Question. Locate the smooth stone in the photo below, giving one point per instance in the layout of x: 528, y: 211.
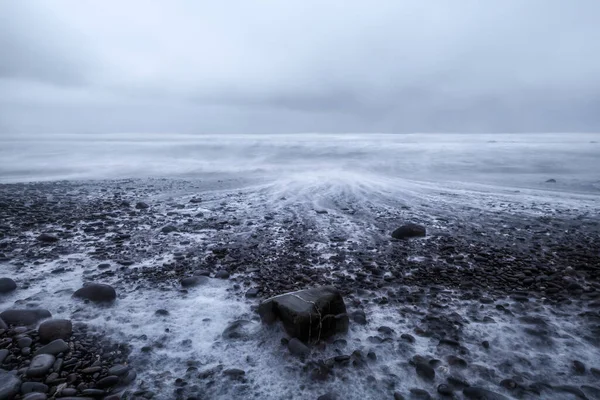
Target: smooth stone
x: 7, y: 285
x: 29, y: 387
x: 3, y: 354
x: 96, y: 292
x: 222, y: 274
x: 3, y: 324
x: 425, y: 371
x: 24, y: 342
x: 359, y: 317
x: 237, y: 330
x: 107, y: 382
x: 35, y: 396
x: 193, y: 281
x: 297, y: 348
x: 9, y: 385
x: 409, y: 231
x: 40, y: 365
x: 140, y: 205
x: 118, y: 370
x: 478, y: 393
x: 55, y: 347
x: 47, y: 238
x: 55, y: 329
x: 24, y: 317
x: 252, y: 293
x: 420, y: 394
x: 445, y: 390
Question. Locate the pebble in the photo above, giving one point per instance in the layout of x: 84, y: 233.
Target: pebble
x: 40, y: 365
x: 55, y: 347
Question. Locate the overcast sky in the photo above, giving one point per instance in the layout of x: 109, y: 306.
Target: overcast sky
x: 299, y: 66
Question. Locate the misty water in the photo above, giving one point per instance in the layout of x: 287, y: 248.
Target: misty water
x: 290, y: 176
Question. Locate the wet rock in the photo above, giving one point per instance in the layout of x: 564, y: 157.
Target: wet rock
x: 222, y: 274
x: 328, y: 396
x: 169, y: 229
x: 237, y: 330
x: 297, y: 348
x: 308, y: 315
x: 108, y: 381
x: 47, y: 238
x: 359, y: 317
x: 35, y: 396
x: 118, y: 370
x: 579, y: 367
x: 552, y: 180
x: 425, y: 371
x: 591, y: 391
x: 445, y: 390
x: 3, y: 354
x: 29, y: 387
x: 55, y: 329
x: 140, y: 205
x: 3, y: 324
x: 161, y: 313
x: 193, y: 281
x: 569, y: 389
x: 234, y: 373
x: 477, y: 393
x: 55, y: 347
x: 252, y: 293
x: 407, y: 337
x: 40, y: 365
x: 457, y: 382
x: 398, y: 396
x: 409, y: 231
x: 24, y: 317
x: 9, y: 384
x: 96, y: 292
x: 419, y: 394
x: 7, y: 285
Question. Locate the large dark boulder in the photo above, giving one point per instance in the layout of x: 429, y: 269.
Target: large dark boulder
x: 7, y: 285
x: 55, y: 329
x: 24, y: 317
x: 409, y: 231
x: 309, y: 315
x: 96, y: 292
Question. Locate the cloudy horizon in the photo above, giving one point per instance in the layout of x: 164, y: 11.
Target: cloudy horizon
x: 75, y: 66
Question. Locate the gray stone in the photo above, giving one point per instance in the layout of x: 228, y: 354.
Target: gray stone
x: 40, y: 365
x: 47, y: 238
x: 107, y: 382
x: 29, y: 387
x: 3, y: 324
x: 478, y: 393
x: 7, y: 285
x: 3, y: 354
x: 308, y: 315
x: 409, y: 231
x: 252, y: 293
x: 425, y: 371
x: 9, y: 385
x: 24, y: 317
x: 222, y: 274
x: 118, y: 370
x: 96, y: 292
x: 193, y: 281
x: 237, y: 330
x: 297, y: 348
x: 55, y: 329
x: 35, y: 396
x: 55, y: 347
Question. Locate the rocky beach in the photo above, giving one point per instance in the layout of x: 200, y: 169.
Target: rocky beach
x: 152, y: 286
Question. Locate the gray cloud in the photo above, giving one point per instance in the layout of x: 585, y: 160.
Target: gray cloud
x: 237, y: 66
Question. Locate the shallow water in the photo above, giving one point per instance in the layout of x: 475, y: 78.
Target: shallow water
x: 358, y: 180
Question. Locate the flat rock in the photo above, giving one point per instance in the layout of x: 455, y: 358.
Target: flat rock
x: 55, y: 347
x: 40, y: 365
x: 308, y: 315
x: 96, y: 292
x: 409, y: 231
x: 7, y: 285
x: 24, y: 317
x: 55, y: 329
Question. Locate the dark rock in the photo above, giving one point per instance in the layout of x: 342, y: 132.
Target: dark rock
x: 9, y: 385
x: 297, y: 348
x: 419, y: 394
x: 252, y: 293
x: 55, y: 329
x: 445, y: 390
x: 327, y: 396
x: 425, y: 371
x: 409, y: 231
x: 237, y: 330
x: 96, y: 292
x: 47, y: 238
x: 457, y: 382
x: 234, y: 373
x: 29, y: 387
x: 55, y: 347
x: 40, y: 365
x: 359, y: 317
x: 192, y: 281
x: 7, y: 285
x: 408, y: 337
x: 579, y: 367
x: 222, y: 274
x: 35, y: 396
x: 552, y: 180
x: 3, y: 324
x: 478, y: 393
x: 398, y: 396
x: 118, y: 370
x: 169, y: 229
x: 569, y: 389
x: 104, y: 266
x: 107, y: 382
x: 161, y: 313
x: 3, y: 354
x: 308, y: 315
x: 140, y: 205
x: 24, y: 317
